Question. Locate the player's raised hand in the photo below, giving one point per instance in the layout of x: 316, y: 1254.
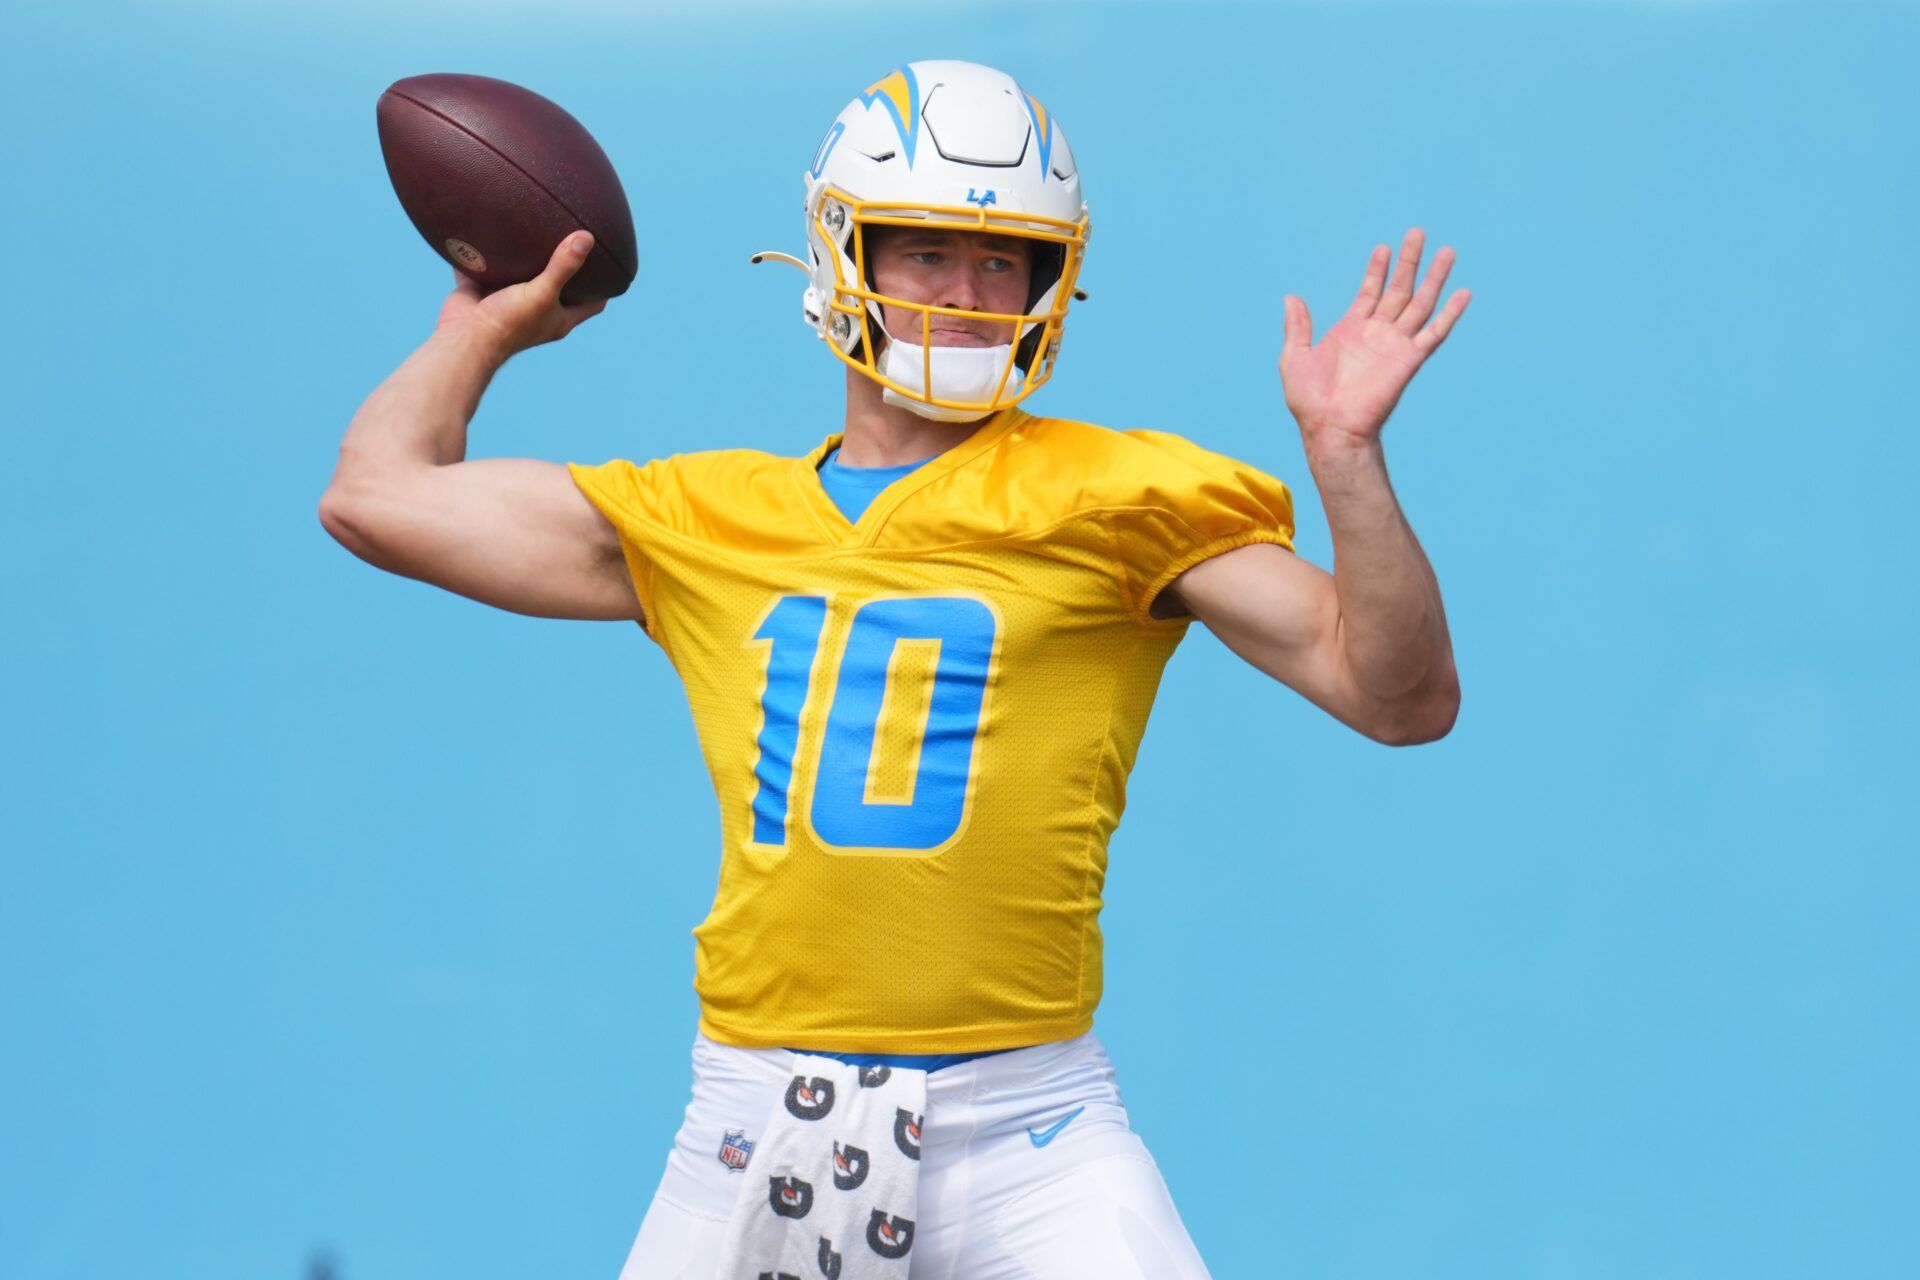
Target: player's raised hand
x: 1342, y: 390
x: 525, y: 315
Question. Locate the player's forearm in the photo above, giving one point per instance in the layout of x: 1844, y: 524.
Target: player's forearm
x: 1392, y: 626
x: 418, y: 417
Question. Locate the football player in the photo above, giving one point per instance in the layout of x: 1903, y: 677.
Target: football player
x: 920, y: 655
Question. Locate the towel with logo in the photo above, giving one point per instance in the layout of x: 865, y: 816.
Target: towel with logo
x: 833, y: 1181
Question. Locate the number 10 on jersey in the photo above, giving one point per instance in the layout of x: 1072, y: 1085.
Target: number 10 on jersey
x: 962, y: 632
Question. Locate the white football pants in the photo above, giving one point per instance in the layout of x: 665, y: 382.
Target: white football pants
x: 1028, y: 1171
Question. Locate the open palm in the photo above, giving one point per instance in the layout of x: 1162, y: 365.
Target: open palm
x: 1342, y: 390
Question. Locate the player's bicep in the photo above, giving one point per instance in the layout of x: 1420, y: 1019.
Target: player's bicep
x: 1282, y: 615
x: 515, y: 533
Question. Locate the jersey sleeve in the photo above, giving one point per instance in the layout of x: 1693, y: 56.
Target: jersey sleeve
x: 1192, y: 504
x: 629, y: 495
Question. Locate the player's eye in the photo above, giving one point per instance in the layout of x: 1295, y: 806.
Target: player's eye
x: 927, y: 257
x: 999, y: 264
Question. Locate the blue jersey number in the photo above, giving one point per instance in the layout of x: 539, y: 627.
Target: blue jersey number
x: 841, y: 813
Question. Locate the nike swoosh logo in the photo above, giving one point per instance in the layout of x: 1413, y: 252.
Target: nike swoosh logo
x: 1041, y: 1137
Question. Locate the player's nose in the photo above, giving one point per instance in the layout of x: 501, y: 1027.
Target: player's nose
x: 961, y: 289
x: 961, y: 300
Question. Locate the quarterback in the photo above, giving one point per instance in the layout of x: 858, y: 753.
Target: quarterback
x: 920, y: 657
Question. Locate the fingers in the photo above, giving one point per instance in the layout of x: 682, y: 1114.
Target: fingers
x: 1421, y: 307
x: 1299, y: 329
x: 1369, y: 296
x: 567, y: 257
x: 1436, y: 333
x: 1400, y: 288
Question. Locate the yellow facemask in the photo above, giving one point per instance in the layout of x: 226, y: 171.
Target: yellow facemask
x: 852, y: 308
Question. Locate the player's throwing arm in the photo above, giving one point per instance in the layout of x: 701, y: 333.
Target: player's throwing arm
x: 511, y: 532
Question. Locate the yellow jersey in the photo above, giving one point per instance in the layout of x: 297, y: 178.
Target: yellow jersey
x: 919, y: 725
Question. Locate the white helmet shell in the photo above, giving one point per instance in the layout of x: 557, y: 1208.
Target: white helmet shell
x: 954, y: 143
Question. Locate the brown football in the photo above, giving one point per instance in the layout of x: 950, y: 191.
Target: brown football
x: 495, y: 176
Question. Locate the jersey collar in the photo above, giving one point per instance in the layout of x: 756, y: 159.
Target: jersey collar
x: 833, y: 523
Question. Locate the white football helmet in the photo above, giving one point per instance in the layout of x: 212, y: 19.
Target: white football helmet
x: 963, y: 146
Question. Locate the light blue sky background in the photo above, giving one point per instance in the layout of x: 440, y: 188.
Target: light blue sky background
x: 340, y: 914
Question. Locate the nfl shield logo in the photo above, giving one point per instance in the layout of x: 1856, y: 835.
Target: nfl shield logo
x: 735, y: 1150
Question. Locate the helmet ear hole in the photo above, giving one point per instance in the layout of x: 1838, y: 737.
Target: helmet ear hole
x: 1048, y: 261
x: 876, y: 324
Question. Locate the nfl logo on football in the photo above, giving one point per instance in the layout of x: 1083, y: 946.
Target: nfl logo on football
x: 735, y: 1150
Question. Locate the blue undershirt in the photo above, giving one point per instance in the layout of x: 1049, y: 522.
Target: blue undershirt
x: 853, y: 489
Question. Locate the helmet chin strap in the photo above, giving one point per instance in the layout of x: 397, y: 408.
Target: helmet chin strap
x: 937, y: 413
x: 960, y: 373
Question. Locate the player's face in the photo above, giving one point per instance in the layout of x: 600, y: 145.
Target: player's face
x: 970, y: 270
